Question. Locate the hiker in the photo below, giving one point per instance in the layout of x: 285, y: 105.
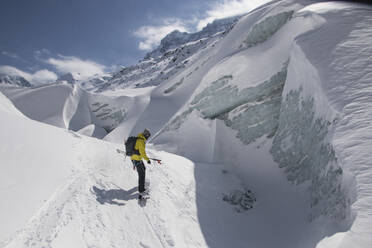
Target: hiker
x: 137, y: 157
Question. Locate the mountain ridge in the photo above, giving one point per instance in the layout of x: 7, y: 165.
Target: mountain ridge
x: 278, y: 105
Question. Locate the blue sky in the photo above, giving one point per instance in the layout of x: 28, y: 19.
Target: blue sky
x: 41, y: 39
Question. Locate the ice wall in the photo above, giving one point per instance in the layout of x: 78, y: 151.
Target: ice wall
x: 299, y: 121
x: 341, y: 53
x: 253, y: 112
x: 107, y: 115
x: 304, y: 142
x: 263, y: 30
x: 302, y: 147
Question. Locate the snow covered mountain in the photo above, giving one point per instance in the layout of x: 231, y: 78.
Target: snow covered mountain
x: 175, y: 53
x: 276, y: 102
x: 14, y: 80
x: 177, y: 39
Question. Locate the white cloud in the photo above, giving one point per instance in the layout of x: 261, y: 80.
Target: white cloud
x: 44, y: 76
x: 13, y: 56
x: 39, y: 77
x: 12, y: 71
x: 10, y: 55
x: 152, y: 35
x: 228, y: 8
x: 42, y: 53
x: 80, y: 69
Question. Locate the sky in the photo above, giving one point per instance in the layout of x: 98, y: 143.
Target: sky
x: 43, y: 39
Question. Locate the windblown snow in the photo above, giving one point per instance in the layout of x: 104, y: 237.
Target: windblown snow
x: 262, y: 124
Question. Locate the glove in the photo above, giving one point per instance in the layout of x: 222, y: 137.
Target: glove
x: 149, y: 161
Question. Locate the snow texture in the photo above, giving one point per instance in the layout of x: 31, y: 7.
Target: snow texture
x: 274, y: 106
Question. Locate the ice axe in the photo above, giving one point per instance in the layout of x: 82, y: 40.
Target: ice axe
x: 155, y: 159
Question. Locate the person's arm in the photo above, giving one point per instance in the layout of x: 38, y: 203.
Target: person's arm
x: 141, y: 148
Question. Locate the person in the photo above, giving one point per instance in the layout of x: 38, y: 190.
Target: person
x: 137, y: 160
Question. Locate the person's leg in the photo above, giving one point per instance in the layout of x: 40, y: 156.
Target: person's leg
x: 141, y: 169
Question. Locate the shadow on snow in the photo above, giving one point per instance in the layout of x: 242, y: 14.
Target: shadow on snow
x: 114, y: 196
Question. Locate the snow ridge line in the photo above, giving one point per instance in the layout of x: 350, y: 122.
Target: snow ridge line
x: 153, y: 229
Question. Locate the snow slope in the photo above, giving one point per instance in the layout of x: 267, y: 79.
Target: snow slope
x: 48, y: 199
x: 277, y: 103
x: 344, y: 80
x: 25, y: 165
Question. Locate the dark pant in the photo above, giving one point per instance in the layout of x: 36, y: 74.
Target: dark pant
x: 141, y: 170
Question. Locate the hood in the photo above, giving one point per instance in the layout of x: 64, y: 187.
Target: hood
x: 141, y: 136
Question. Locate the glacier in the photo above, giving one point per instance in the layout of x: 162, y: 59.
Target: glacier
x: 262, y: 31
x: 272, y: 105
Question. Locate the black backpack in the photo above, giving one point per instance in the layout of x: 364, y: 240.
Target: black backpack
x: 130, y: 146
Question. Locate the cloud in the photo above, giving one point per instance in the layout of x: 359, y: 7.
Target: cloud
x: 10, y: 55
x: 39, y: 77
x: 152, y: 35
x: 228, y: 8
x: 13, y: 56
x: 42, y: 54
x: 43, y: 76
x: 80, y: 69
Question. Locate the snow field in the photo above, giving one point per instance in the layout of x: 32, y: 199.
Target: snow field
x: 62, y: 209
x: 25, y: 166
x: 279, y: 105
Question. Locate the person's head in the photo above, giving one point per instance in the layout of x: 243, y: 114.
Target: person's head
x: 146, y: 133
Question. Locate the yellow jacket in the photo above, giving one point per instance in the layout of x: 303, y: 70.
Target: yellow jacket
x: 140, y: 146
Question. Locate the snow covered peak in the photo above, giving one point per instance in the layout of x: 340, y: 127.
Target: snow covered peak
x: 14, y: 80
x: 219, y: 25
x: 174, y: 39
x: 176, y: 51
x: 177, y: 38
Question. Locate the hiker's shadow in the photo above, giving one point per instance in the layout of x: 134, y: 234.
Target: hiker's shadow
x: 114, y: 196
